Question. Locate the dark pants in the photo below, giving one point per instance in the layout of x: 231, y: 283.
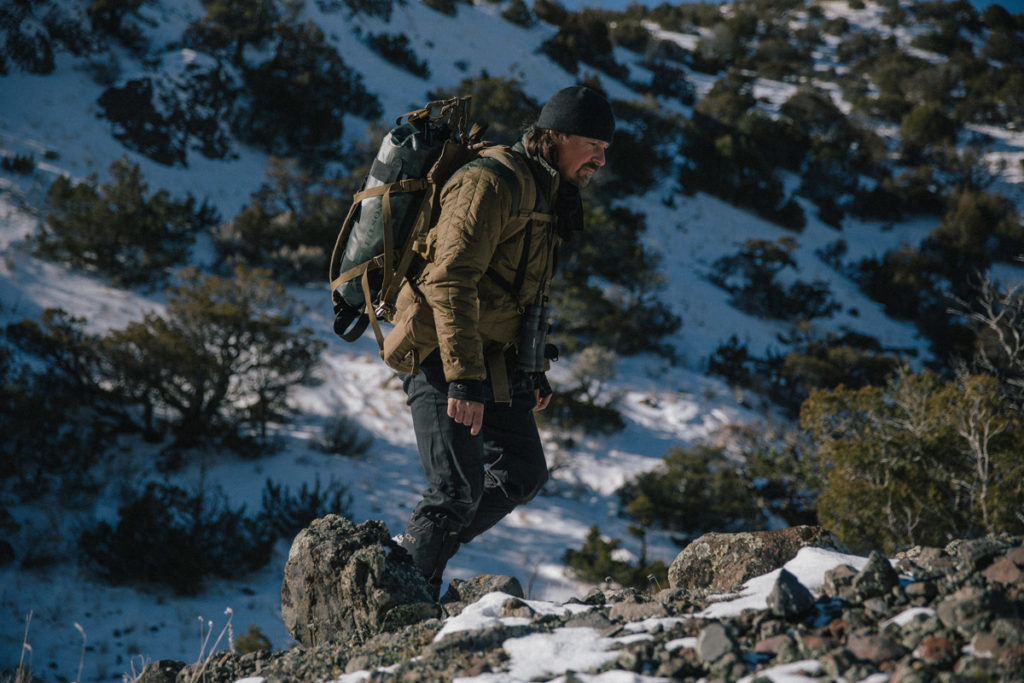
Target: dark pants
x: 473, y: 481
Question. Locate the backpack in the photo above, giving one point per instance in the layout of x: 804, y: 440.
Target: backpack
x: 399, y: 202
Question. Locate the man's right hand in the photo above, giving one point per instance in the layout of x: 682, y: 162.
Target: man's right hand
x: 469, y: 413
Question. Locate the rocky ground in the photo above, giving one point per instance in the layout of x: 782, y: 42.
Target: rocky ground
x: 354, y: 602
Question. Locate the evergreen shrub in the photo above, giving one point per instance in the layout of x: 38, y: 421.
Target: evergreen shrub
x: 19, y: 163
x: 585, y: 403
x: 120, y: 229
x: 58, y: 417
x: 251, y: 641
x: 550, y: 11
x: 696, y: 490
x: 919, y: 461
x: 607, y: 289
x: 230, y: 25
x: 583, y: 37
x: 344, y: 436
x: 300, y: 96
x: 176, y: 538
x: 750, y: 276
x: 598, y: 561
x: 518, y: 13
x: 218, y: 365
x: 925, y: 126
x: 46, y: 445
x: 395, y: 49
x: 289, y: 225
x: 811, y: 362
x: 287, y: 514
x: 978, y: 228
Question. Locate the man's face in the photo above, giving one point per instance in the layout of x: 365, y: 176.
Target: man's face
x: 578, y: 157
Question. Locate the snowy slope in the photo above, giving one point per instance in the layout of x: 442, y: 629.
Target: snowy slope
x: 663, y: 405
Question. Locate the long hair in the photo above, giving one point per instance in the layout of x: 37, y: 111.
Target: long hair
x: 538, y: 143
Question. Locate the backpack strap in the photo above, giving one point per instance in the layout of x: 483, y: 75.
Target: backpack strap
x: 510, y: 167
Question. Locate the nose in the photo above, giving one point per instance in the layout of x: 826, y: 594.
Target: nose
x: 598, y: 157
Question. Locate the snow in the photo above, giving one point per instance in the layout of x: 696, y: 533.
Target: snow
x: 122, y: 628
x: 809, y: 567
x: 485, y: 612
x: 909, y: 615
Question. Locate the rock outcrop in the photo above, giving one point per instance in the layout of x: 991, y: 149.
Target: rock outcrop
x: 723, y: 562
x: 344, y: 584
x: 952, y: 613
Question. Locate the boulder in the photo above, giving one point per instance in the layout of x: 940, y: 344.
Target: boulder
x: 789, y: 598
x: 464, y: 592
x: 723, y: 562
x: 876, y: 579
x: 344, y: 584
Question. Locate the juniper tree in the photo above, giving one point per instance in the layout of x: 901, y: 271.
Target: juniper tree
x: 221, y: 360
x: 120, y: 229
x: 288, y: 225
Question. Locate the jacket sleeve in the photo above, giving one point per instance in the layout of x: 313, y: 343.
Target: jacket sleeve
x: 475, y: 206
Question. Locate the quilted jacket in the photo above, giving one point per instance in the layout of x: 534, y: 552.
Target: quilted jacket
x: 454, y: 304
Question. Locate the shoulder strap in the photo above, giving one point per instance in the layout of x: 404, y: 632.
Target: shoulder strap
x: 513, y: 170
x: 503, y: 171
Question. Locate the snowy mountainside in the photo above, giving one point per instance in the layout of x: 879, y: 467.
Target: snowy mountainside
x: 56, y: 119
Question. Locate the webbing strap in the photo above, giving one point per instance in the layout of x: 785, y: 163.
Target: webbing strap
x: 497, y: 370
x: 538, y: 217
x: 406, y: 185
x: 388, y: 236
x: 516, y: 285
x: 393, y: 278
x: 371, y: 313
x: 336, y: 254
x: 357, y: 271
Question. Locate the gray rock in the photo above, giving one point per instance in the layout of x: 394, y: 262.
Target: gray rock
x: 975, y: 554
x: 714, y: 642
x: 875, y: 648
x: 345, y: 583
x: 161, y: 671
x: 968, y: 610
x: 876, y: 579
x: 461, y: 593
x: 925, y: 562
x: 723, y: 562
x: 1003, y: 570
x: 636, y: 611
x: 838, y: 582
x: 789, y: 598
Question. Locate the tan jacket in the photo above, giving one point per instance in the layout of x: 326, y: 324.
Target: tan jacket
x: 454, y: 304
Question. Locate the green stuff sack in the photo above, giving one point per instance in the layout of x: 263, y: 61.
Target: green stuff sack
x: 395, y: 208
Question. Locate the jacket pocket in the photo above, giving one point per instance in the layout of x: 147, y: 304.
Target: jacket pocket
x: 411, y: 340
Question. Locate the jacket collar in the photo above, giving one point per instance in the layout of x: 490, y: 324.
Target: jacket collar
x: 547, y: 176
x: 563, y: 198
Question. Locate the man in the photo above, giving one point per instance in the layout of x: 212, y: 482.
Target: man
x: 472, y: 391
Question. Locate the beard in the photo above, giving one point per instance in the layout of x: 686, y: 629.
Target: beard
x: 585, y: 174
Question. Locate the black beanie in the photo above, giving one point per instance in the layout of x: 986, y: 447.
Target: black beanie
x: 579, y: 110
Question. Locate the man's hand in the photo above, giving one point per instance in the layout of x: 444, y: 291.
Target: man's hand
x: 469, y: 413
x: 542, y: 401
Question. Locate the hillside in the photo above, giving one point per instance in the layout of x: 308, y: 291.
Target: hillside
x: 795, y: 191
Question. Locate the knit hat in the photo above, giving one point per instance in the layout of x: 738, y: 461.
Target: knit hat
x: 579, y: 110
